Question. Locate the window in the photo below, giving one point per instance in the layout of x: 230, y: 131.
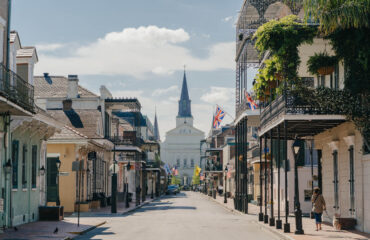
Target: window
x: 322, y: 81
x: 22, y: 71
x: 24, y: 161
x: 178, y: 163
x: 336, y: 77
x: 185, y: 163
x: 15, y: 152
x: 335, y: 180
x: 1, y: 42
x: 351, y: 180
x: 34, y: 165
x: 192, y: 163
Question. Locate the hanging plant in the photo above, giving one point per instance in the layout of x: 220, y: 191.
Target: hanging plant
x: 282, y: 38
x: 321, y: 64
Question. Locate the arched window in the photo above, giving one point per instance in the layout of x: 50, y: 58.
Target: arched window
x: 185, y: 163
x: 192, y: 163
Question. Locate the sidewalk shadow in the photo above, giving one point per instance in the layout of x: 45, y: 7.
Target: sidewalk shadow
x: 96, y: 232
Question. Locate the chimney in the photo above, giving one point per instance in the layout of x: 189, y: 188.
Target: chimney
x: 72, y: 91
x: 67, y: 104
x: 46, y: 75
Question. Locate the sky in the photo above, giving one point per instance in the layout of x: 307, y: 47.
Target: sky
x: 139, y: 49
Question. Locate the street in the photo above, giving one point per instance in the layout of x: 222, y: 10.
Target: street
x: 187, y: 215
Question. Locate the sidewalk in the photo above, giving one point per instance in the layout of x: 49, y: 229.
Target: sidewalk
x: 327, y: 232
x: 67, y: 228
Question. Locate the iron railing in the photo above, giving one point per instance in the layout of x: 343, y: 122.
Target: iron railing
x: 17, y: 90
x: 292, y: 104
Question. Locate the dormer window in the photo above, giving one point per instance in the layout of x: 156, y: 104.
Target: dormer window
x: 22, y: 71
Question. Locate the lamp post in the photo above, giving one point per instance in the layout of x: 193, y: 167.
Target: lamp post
x: 298, y: 212
x: 58, y: 163
x: 225, y: 192
x: 114, y: 183
x: 128, y: 167
x: 8, y: 167
x: 152, y: 194
x: 42, y: 171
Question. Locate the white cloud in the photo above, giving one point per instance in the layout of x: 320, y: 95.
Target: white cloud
x: 49, y: 47
x: 161, y: 91
x: 218, y: 95
x: 137, y: 52
x: 227, y: 19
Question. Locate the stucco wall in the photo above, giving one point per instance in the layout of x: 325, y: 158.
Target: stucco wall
x: 25, y: 199
x: 361, y: 172
x: 67, y: 187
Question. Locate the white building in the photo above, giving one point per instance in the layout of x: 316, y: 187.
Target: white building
x: 181, y: 147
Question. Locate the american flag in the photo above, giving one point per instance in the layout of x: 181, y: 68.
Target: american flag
x: 217, y: 119
x: 251, y: 103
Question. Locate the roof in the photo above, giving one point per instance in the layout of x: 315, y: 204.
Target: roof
x: 184, y: 103
x: 56, y: 87
x: 85, y: 122
x: 27, y: 52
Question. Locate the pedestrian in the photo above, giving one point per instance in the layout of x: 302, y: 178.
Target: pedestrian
x: 318, y: 207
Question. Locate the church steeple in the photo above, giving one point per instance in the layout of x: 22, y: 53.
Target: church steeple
x: 184, y: 102
x: 156, y: 128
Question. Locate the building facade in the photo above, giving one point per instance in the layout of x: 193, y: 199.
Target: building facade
x: 181, y: 147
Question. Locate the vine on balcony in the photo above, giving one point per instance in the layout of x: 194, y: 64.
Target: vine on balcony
x: 355, y: 107
x: 282, y: 38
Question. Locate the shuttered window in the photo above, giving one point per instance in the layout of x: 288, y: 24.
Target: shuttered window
x: 34, y: 166
x: 15, y: 154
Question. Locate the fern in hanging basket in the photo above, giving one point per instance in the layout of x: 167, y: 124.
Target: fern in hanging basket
x: 321, y: 64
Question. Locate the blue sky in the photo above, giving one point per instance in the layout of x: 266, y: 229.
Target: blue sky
x: 139, y: 48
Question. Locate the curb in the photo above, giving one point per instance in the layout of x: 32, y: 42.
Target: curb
x: 102, y: 223
x: 273, y: 230
x: 84, y: 231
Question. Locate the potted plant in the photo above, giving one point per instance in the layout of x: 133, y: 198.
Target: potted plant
x: 322, y: 64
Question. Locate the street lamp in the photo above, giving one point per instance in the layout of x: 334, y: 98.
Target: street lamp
x: 8, y: 167
x: 225, y: 192
x: 58, y: 163
x: 298, y: 213
x: 42, y: 171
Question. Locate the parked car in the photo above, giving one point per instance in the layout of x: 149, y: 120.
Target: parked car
x: 172, y: 189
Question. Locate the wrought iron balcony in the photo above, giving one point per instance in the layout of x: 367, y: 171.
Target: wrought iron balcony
x: 17, y: 90
x: 292, y: 104
x: 124, y: 140
x: 304, y: 115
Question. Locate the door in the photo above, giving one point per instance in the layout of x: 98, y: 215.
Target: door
x: 51, y: 179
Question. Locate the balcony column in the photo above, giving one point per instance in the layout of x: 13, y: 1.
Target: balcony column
x: 260, y: 215
x: 278, y: 221
x: 245, y: 148
x: 272, y: 219
x: 286, y: 224
x: 266, y: 216
x: 243, y: 164
x: 236, y: 199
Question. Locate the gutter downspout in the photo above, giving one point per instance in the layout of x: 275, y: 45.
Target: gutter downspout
x: 8, y: 34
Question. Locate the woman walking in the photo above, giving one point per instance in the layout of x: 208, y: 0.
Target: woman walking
x: 318, y: 207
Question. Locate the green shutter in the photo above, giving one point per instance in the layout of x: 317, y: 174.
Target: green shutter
x: 15, y: 152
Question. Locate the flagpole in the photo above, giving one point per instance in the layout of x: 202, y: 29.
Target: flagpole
x: 226, y: 112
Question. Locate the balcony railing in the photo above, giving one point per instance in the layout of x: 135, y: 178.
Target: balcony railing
x: 17, y: 90
x: 124, y: 140
x: 293, y: 104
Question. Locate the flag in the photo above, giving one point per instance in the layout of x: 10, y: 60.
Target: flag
x: 175, y: 172
x: 167, y: 169
x: 197, y: 170
x: 251, y: 103
x: 220, y: 114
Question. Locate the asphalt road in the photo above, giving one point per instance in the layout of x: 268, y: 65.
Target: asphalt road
x: 187, y: 215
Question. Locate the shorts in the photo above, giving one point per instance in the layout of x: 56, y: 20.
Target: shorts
x: 318, y: 217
